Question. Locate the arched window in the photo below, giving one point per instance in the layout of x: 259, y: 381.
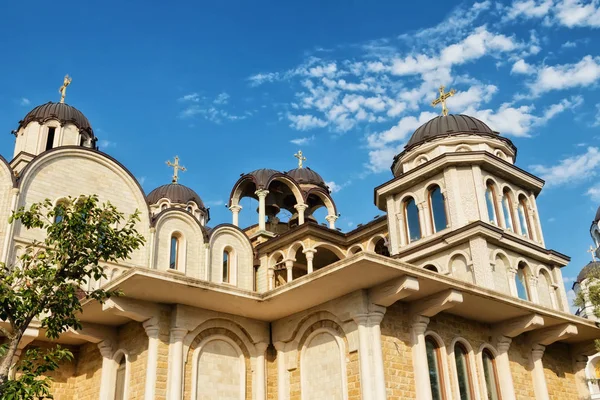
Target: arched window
x: 411, y: 220
x: 490, y: 200
x: 463, y: 372
x: 121, y: 378
x: 381, y: 248
x: 189, y: 209
x: 431, y: 268
x: 490, y: 375
x: 521, y: 280
x: 174, y: 257
x: 434, y: 363
x: 50, y: 137
x: 226, y: 265
x: 437, y: 209
x: 524, y: 217
x: 545, y: 289
x: 507, y: 207
x: 163, y: 207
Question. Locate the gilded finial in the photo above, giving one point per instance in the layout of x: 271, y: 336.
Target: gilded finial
x: 63, y: 88
x: 592, y: 251
x: 176, y: 169
x: 300, y: 158
x: 442, y: 99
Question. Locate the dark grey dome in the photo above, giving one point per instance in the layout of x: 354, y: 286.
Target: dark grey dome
x: 176, y: 193
x: 306, y: 176
x: 261, y: 177
x: 447, y: 126
x: 587, y: 270
x: 62, y: 112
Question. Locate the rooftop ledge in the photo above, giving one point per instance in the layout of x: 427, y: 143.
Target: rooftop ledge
x: 361, y: 271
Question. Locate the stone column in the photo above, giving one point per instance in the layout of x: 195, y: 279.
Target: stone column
x: 375, y: 319
x: 151, y: 247
x: 152, y: 329
x: 507, y: 389
x: 262, y: 194
x: 283, y: 392
x: 175, y: 379
x: 537, y: 226
x: 289, y: 266
x: 261, y: 380
x: 427, y: 229
x: 393, y: 229
x: 501, y: 219
x: 422, y: 221
x: 11, y: 226
x: 366, y: 389
x: 106, y: 378
x: 271, y: 278
x: 419, y: 354
x: 512, y: 283
x: 300, y: 208
x: 331, y: 219
x: 579, y: 366
x: 310, y: 255
x: 235, y: 213
x: 533, y: 289
x: 537, y: 373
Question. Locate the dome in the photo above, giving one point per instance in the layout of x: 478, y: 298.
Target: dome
x: 60, y: 111
x: 587, y: 270
x: 448, y: 126
x: 306, y: 176
x: 176, y: 193
x: 261, y: 177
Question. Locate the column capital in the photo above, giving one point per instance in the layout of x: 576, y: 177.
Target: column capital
x: 279, y: 346
x: 331, y: 218
x: 261, y: 347
x: 301, y: 207
x: 235, y: 208
x: 309, y: 251
x: 151, y: 327
x: 261, y: 193
x: 289, y: 263
x: 419, y: 324
x: 177, y: 334
x: 106, y: 348
x: 537, y: 351
x: 503, y: 344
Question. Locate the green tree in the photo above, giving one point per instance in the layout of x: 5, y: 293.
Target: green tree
x: 591, y: 292
x: 45, y: 283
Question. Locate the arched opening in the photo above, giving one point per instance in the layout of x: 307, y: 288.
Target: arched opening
x: 521, y: 280
x: 411, y: 220
x: 300, y: 267
x: 434, y: 363
x: 490, y: 375
x: 280, y: 273
x: 354, y: 250
x: 120, y: 378
x: 220, y: 371
x: 437, y: 209
x: 50, y: 137
x: 174, y: 254
x: 322, y: 367
x: 463, y: 372
x: 490, y: 200
x: 460, y: 268
x: 324, y: 257
x: 507, y: 208
x: 500, y: 273
x: 524, y: 217
x: 545, y: 289
x: 431, y: 267
x: 381, y: 247
x: 226, y: 273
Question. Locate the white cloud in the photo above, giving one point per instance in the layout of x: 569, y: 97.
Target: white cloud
x: 400, y: 131
x: 142, y: 180
x: 259, y: 79
x: 303, y: 140
x: 336, y: 187
x: 571, y: 169
x: 568, y: 44
x: 566, y: 76
x: 192, y: 97
x: 222, y: 98
x: 105, y: 144
x: 528, y: 9
x: 381, y: 159
x: 24, y: 101
x: 574, y: 13
x: 521, y: 67
x: 215, y: 203
x: 597, y: 117
x: 306, y: 122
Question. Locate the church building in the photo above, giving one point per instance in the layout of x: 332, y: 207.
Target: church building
x: 450, y: 294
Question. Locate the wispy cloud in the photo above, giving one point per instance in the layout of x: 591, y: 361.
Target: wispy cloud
x: 336, y: 187
x: 222, y: 98
x: 192, y: 97
x: 104, y: 144
x: 24, y: 101
x: 303, y: 141
x: 568, y: 13
x: 210, y: 109
x: 215, y: 203
x: 570, y: 170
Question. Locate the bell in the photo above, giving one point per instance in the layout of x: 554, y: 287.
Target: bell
x: 271, y: 206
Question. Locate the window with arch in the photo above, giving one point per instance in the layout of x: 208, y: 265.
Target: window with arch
x: 437, y: 209
x: 174, y: 254
x: 163, y: 207
x: 524, y: 217
x: 434, y: 363
x: 463, y: 372
x: 120, y: 377
x: 411, y: 220
x: 507, y: 207
x: 431, y: 267
x: 50, y: 138
x: 226, y: 265
x: 490, y: 200
x: 490, y: 375
x: 521, y: 281
x: 545, y: 289
x: 60, y: 209
x: 381, y: 248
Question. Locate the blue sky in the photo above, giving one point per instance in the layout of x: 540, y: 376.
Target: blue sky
x: 233, y: 86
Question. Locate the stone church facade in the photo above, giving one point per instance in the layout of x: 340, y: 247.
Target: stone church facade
x: 450, y: 294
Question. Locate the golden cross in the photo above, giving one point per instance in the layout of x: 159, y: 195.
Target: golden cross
x: 442, y: 99
x: 176, y: 169
x: 592, y: 251
x: 300, y: 158
x: 63, y: 88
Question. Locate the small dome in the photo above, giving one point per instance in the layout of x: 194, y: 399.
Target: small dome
x: 62, y: 112
x: 448, y: 126
x: 261, y: 177
x: 176, y: 193
x: 587, y: 270
x: 306, y: 176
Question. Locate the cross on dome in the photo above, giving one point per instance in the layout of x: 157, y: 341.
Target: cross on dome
x: 300, y: 158
x: 442, y: 99
x: 592, y: 251
x: 63, y: 89
x: 176, y: 168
